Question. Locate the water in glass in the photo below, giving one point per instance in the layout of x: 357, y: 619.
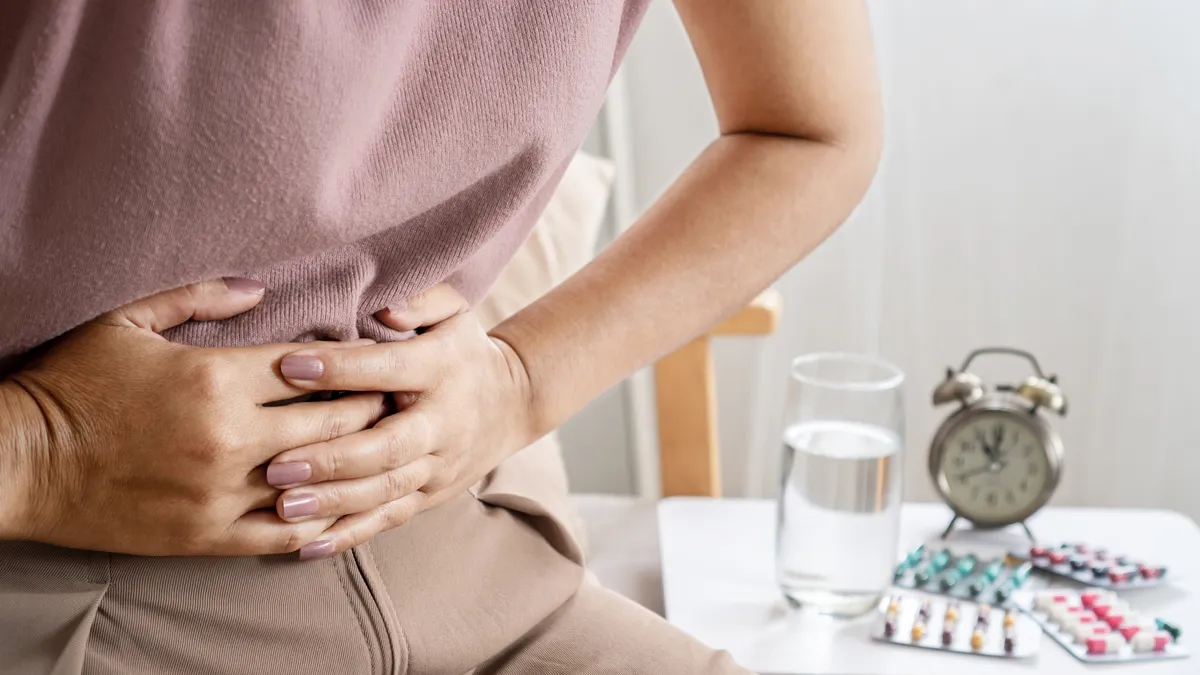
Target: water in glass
x: 840, y: 492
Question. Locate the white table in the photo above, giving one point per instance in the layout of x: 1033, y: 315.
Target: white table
x: 718, y: 584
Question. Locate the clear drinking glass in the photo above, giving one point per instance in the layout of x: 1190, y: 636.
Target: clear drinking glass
x: 839, y: 506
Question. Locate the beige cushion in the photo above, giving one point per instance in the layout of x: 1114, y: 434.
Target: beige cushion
x: 623, y: 549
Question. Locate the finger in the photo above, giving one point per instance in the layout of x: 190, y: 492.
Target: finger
x: 263, y: 533
x: 255, y: 493
x: 258, y: 367
x: 412, y: 365
x: 204, y: 301
x: 351, y: 531
x: 300, y: 424
x: 348, y: 497
x: 392, y: 443
x: 424, y: 309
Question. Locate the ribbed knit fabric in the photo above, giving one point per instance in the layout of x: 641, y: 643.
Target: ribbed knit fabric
x: 345, y: 152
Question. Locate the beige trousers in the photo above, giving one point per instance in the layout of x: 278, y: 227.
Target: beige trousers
x: 466, y: 588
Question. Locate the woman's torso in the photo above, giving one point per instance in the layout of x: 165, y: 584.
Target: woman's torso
x: 346, y: 153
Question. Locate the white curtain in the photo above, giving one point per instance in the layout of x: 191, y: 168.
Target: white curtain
x: 1040, y: 189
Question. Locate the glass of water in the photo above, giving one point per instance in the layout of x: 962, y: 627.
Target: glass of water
x: 839, y: 506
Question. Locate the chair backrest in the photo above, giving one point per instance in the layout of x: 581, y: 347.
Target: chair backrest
x: 686, y: 402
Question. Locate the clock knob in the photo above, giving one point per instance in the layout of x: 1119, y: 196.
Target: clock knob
x: 1043, y: 393
x: 965, y: 388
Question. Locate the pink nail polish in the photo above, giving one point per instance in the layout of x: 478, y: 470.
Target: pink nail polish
x: 316, y: 549
x: 242, y: 285
x: 301, y: 367
x: 296, y: 506
x: 288, y: 473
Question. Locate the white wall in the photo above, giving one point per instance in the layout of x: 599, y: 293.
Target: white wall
x: 1040, y: 188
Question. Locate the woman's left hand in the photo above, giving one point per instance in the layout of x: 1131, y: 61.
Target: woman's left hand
x: 463, y: 401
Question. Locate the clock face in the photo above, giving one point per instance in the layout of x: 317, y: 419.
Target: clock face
x: 995, y: 466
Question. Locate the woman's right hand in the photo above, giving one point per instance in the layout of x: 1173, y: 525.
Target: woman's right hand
x: 138, y: 445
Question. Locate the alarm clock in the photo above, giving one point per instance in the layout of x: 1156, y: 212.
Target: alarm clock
x: 996, y: 459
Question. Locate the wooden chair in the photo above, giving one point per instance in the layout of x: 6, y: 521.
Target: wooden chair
x: 622, y: 531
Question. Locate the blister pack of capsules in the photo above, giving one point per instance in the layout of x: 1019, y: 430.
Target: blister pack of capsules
x: 1098, y: 627
x: 964, y: 577
x: 1094, y: 566
x: 951, y: 625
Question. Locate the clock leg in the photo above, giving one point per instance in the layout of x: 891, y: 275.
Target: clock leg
x: 950, y: 527
x: 1028, y: 532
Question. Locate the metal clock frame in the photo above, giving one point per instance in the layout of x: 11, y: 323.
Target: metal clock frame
x: 997, y: 403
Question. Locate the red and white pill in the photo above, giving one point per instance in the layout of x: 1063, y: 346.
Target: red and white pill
x: 1107, y: 644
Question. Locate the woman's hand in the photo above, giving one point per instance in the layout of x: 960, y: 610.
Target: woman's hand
x: 463, y: 400
x: 152, y: 448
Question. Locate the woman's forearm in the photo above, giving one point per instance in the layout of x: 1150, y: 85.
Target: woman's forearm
x: 22, y: 433
x: 747, y: 209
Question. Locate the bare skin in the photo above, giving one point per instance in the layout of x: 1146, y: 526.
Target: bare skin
x: 795, y: 91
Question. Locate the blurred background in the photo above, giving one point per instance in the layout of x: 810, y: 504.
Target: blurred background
x: 1040, y: 188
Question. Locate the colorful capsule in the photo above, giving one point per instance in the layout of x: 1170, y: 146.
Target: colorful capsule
x: 1169, y: 628
x: 1149, y: 572
x: 1079, y: 563
x: 976, y: 587
x: 1010, y: 638
x: 950, y: 579
x: 1119, y: 575
x: 976, y: 639
x: 993, y: 570
x: 1010, y: 619
x: 925, y: 611
x: 918, y: 631
x: 915, y: 556
x: 923, y: 576
x: 1100, y: 570
x: 1020, y: 574
x: 1147, y: 641
x: 952, y: 612
x: 1003, y: 593
x: 1057, y: 557
x: 948, y: 633
x: 1105, y: 644
x: 939, y: 561
x: 1038, y: 552
x: 889, y: 628
x: 965, y: 564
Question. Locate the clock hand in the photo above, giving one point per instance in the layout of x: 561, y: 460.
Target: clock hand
x: 975, y: 472
x: 987, y: 449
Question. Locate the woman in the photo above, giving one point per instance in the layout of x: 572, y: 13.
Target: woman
x: 326, y: 165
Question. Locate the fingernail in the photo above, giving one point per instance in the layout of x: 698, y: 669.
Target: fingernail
x: 243, y: 285
x: 296, y: 506
x: 398, y: 306
x: 316, y: 549
x: 288, y: 473
x: 301, y: 367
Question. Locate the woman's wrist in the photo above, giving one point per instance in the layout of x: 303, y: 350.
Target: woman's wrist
x: 24, y: 436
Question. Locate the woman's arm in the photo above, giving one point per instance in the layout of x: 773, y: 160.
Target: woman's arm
x: 797, y: 99
x: 796, y: 96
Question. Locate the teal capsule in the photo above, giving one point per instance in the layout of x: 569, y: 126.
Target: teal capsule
x: 923, y: 575
x: 939, y: 561
x: 1002, y: 594
x: 901, y: 570
x: 916, y: 555
x: 950, y: 579
x: 966, y: 564
x: 1173, y: 630
x: 1020, y: 574
x: 976, y: 587
x: 993, y: 570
